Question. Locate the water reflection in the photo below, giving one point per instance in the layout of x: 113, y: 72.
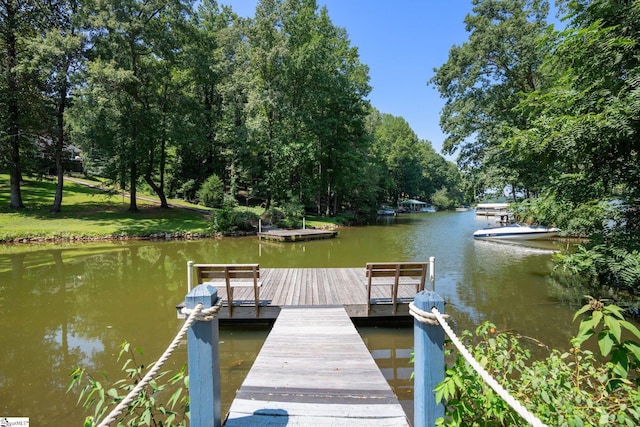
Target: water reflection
x: 391, y: 349
x: 69, y: 305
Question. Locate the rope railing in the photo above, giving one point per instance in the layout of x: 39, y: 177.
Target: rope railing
x: 436, y: 318
x: 195, y: 314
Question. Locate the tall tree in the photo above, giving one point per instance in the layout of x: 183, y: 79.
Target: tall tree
x: 211, y: 55
x: 266, y: 108
x: 335, y: 115
x: 128, y: 87
x: 56, y: 55
x: 484, y: 79
x: 305, y: 106
x: 587, y: 123
x: 17, y: 25
x: 398, y: 147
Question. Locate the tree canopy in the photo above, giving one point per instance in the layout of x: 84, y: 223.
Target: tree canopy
x: 553, y: 113
x: 167, y: 94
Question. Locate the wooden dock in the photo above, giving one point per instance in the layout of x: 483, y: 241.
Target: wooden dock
x: 298, y: 235
x: 314, y: 369
x: 305, y: 287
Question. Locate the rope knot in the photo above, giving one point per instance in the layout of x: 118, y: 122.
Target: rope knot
x: 203, y: 315
x: 425, y: 316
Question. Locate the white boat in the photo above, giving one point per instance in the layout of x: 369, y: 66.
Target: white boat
x: 516, y: 231
x: 429, y: 209
x: 386, y: 212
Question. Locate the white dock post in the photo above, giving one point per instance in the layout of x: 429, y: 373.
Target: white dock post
x: 432, y: 272
x: 189, y: 275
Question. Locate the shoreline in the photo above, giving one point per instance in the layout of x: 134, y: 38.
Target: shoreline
x: 158, y: 236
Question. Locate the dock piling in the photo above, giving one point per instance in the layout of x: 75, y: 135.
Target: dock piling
x: 428, y: 362
x: 204, y: 361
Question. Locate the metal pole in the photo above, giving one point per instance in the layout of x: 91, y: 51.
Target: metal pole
x: 189, y: 276
x: 432, y: 272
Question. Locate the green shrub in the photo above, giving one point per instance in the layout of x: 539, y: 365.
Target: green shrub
x: 443, y: 200
x: 573, y: 388
x: 288, y: 215
x: 211, y: 193
x: 577, y: 220
x: 188, y: 191
x: 228, y: 220
x: 229, y: 201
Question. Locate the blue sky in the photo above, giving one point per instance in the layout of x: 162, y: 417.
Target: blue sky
x: 401, y: 41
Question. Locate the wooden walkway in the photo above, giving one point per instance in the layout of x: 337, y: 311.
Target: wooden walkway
x: 314, y: 370
x: 298, y: 235
x: 296, y: 287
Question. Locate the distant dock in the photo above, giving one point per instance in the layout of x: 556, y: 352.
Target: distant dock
x: 314, y: 369
x: 297, y: 235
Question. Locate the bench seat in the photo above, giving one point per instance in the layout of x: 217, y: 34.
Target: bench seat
x: 395, y: 274
x: 230, y: 276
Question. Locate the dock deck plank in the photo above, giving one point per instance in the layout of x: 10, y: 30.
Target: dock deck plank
x: 291, y: 287
x: 314, y: 369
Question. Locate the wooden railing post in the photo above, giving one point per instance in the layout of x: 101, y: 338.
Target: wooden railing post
x: 204, y: 361
x: 428, y: 362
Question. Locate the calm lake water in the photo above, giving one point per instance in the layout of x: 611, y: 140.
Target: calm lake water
x: 70, y: 305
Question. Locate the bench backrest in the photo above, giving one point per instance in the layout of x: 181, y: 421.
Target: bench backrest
x: 225, y: 272
x: 397, y: 269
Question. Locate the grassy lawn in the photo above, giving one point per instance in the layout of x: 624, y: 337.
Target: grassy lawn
x: 87, y: 212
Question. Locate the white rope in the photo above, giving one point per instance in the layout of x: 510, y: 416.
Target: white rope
x: 206, y: 315
x: 196, y: 314
x: 424, y: 316
x: 435, y: 318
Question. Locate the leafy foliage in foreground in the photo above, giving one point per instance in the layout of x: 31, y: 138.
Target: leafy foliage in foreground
x: 572, y: 388
x: 152, y: 407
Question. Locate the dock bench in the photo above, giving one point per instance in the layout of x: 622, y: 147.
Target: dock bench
x: 395, y: 274
x: 230, y: 276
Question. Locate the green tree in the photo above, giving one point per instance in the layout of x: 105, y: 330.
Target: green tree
x: 215, y: 136
x: 585, y: 125
x: 329, y: 92
x: 18, y: 24
x: 56, y: 56
x: 122, y: 115
x: 483, y: 81
x: 398, y: 147
x: 305, y: 106
x: 439, y: 175
x: 266, y: 113
x: 211, y: 194
x: 588, y: 121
